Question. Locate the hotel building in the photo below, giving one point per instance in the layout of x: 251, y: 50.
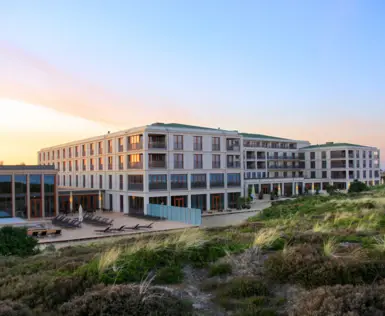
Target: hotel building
x: 205, y: 168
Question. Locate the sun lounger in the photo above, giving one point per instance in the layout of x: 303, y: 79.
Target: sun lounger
x: 106, y: 230
x: 120, y: 229
x: 145, y: 226
x: 35, y: 234
x: 134, y: 227
x: 43, y: 233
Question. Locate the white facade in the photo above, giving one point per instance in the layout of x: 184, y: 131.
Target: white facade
x: 191, y: 166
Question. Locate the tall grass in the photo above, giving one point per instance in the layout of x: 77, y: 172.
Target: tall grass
x: 330, y: 247
x: 266, y: 237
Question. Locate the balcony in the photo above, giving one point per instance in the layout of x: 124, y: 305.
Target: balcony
x: 179, y: 185
x: 261, y: 156
x: 216, y: 147
x: 158, y: 186
x: 135, y: 146
x: 235, y: 164
x: 135, y: 187
x: 109, y: 166
x: 337, y: 155
x: 92, y: 167
x: 217, y: 184
x: 135, y: 165
x: 232, y: 184
x: 250, y: 156
x: 250, y: 165
x: 198, y: 165
x: 120, y: 148
x: 157, y: 164
x: 233, y: 147
x: 100, y: 166
x: 84, y: 168
x: 178, y: 164
x: 198, y: 185
x: 120, y: 166
x: 216, y: 164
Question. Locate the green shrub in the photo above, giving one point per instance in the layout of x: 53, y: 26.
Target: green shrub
x: 121, y: 300
x: 242, y: 287
x: 220, y: 269
x: 340, y: 300
x: 14, y: 241
x: 357, y: 186
x: 9, y: 308
x: 169, y: 275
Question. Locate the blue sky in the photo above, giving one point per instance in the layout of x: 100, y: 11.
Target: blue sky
x: 305, y: 69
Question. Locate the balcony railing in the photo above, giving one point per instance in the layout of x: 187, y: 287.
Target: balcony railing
x: 200, y: 184
x: 198, y: 165
x: 110, y: 150
x: 157, y: 145
x: 284, y: 167
x: 120, y: 166
x: 233, y: 164
x: 69, y: 168
x: 134, y: 146
x: 77, y: 154
x: 158, y: 186
x: 283, y: 158
x: 216, y: 164
x: 92, y: 152
x: 135, y: 187
x: 251, y: 166
x: 100, y: 166
x: 84, y: 167
x: 336, y: 166
x: 261, y: 157
x: 178, y: 146
x: 217, y: 184
x: 233, y: 148
x: 135, y: 165
x: 250, y: 157
x: 178, y: 164
x: 120, y: 148
x: 178, y: 185
x: 92, y: 167
x: 216, y: 147
x: 233, y: 184
x: 100, y: 151
x: 77, y: 168
x: 157, y: 164
x: 197, y: 146
x: 109, y: 166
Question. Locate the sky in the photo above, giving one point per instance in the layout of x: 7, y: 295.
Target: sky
x: 309, y: 70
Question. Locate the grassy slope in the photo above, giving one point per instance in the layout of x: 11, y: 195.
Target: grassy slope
x: 306, y: 245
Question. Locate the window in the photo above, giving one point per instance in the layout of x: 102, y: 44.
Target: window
x: 134, y: 142
x: 135, y: 182
x: 121, y: 162
x: 84, y: 181
x: 69, y: 153
x: 178, y: 142
x: 92, y: 181
x: 157, y: 182
x: 100, y: 148
x: 6, y: 192
x: 312, y: 164
x: 357, y: 164
x: 370, y: 174
x: 217, y: 180
x: 57, y: 154
x: 92, y: 149
x: 323, y: 155
x: 179, y: 181
x: 77, y: 180
x: 64, y: 166
x: 109, y: 163
x: 364, y: 154
x: 84, y: 165
x: 120, y: 144
x: 109, y: 146
x: 312, y: 155
x: 100, y: 181
x: 77, y: 151
x: 198, y: 162
x: 312, y: 175
x: 216, y: 161
x: 83, y: 150
x: 233, y: 179
x: 178, y: 161
x: 64, y: 180
x: 100, y: 163
x: 77, y: 165
x: 92, y: 164
x: 70, y: 165
x: 358, y: 174
x: 324, y: 174
x: 197, y: 142
x: 121, y: 183
x: 70, y: 181
x: 134, y: 161
x: 324, y: 166
x: 110, y: 182
x: 198, y: 181
x: 364, y: 174
x: 216, y: 145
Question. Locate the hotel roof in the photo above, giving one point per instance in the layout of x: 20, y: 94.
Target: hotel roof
x: 331, y: 144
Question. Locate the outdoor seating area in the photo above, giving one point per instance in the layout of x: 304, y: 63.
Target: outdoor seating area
x: 67, y: 222
x: 44, y: 232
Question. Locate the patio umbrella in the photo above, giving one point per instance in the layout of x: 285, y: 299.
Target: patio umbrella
x: 252, y: 192
x: 80, y: 213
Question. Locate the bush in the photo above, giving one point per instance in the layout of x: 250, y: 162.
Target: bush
x: 242, y: 287
x: 220, y: 269
x: 169, y: 275
x: 14, y: 241
x: 340, y: 300
x: 126, y: 300
x: 357, y: 186
x: 9, y: 308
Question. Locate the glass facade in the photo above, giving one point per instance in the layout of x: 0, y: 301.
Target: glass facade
x: 35, y: 195
x: 49, y: 195
x: 5, y: 196
x: 21, y: 205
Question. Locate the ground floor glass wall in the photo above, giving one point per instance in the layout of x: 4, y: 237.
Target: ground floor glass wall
x: 217, y: 201
x: 199, y: 201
